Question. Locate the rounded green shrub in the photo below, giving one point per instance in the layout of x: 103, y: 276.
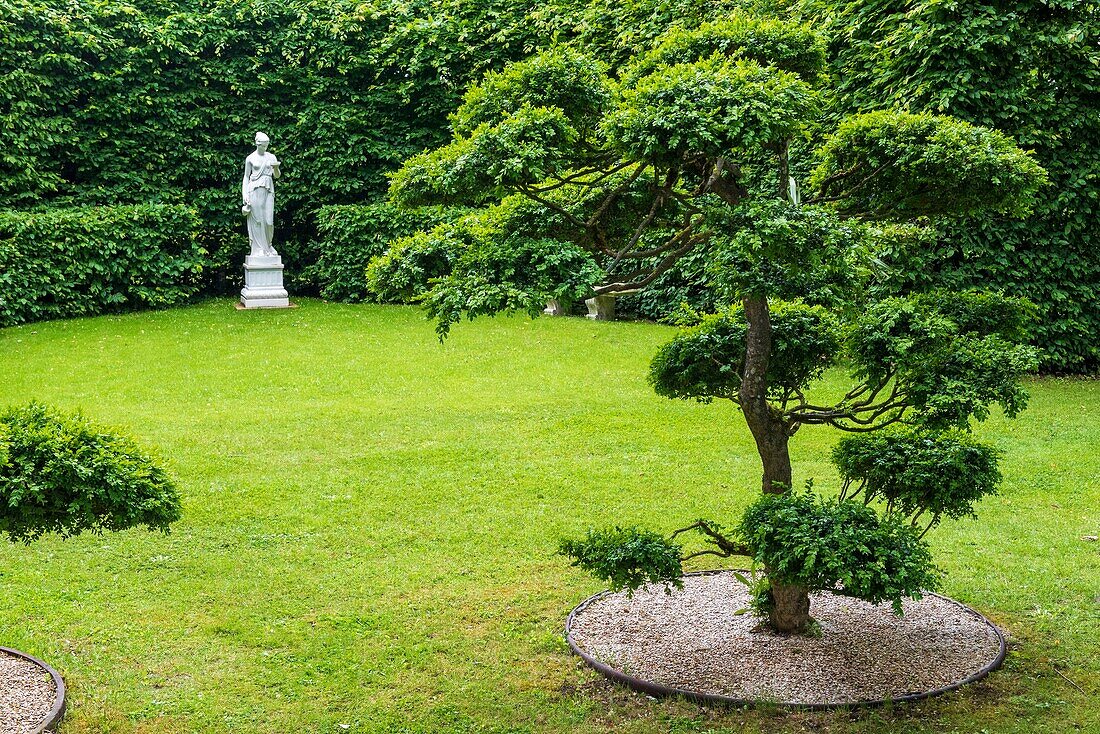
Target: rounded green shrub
x: 706, y: 361
x: 915, y: 471
x: 626, y: 558
x: 838, y: 545
x: 62, y: 474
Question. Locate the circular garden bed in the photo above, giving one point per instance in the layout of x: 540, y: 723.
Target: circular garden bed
x: 699, y: 642
x: 32, y: 694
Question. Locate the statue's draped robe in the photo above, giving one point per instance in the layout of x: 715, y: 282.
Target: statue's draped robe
x: 259, y: 185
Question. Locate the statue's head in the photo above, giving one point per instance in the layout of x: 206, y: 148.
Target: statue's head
x: 262, y: 141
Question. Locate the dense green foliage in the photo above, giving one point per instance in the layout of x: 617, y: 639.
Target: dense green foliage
x: 938, y: 359
x: 768, y: 41
x: 559, y: 78
x: 519, y: 274
x: 62, y: 474
x: 686, y: 285
x: 1029, y: 69
x: 948, y: 356
x: 916, y: 472
x: 838, y: 545
x: 349, y: 236
x: 595, y: 168
x: 85, y: 260
x: 707, y: 361
x: 506, y: 257
x: 886, y: 164
x: 773, y: 247
x: 144, y: 101
x: 626, y: 558
x: 710, y: 107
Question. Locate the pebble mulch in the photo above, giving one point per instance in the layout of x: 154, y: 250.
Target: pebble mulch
x: 692, y: 639
x: 27, y: 694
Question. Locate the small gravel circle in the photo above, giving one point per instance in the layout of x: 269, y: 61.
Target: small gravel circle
x: 27, y: 695
x: 694, y: 642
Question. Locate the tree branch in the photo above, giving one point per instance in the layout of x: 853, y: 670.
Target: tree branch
x: 726, y: 547
x: 575, y: 178
x: 614, y: 194
x: 551, y: 205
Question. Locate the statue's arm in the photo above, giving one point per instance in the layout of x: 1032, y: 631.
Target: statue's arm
x: 244, y: 184
x: 275, y: 168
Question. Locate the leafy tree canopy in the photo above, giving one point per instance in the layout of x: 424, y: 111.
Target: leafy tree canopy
x: 690, y: 145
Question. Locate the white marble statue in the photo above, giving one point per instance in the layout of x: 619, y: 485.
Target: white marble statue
x: 258, y: 196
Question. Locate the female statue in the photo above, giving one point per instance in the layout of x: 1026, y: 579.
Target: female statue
x: 258, y: 194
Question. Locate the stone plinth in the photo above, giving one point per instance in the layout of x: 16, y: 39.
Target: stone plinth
x: 601, y: 308
x: 263, y: 283
x: 554, y: 307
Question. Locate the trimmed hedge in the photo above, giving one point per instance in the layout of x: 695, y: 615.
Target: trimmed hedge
x: 59, y: 263
x: 349, y: 236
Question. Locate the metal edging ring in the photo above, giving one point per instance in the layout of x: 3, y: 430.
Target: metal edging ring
x: 53, y: 718
x: 657, y: 689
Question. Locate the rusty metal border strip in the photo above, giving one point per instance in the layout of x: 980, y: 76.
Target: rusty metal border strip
x: 53, y: 718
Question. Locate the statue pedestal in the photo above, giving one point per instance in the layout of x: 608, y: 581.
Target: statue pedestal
x: 554, y: 307
x: 601, y: 308
x: 263, y: 283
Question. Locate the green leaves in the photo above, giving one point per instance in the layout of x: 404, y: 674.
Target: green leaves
x: 898, y: 165
x: 767, y: 41
x: 917, y: 471
x: 840, y: 546
x: 951, y: 360
x: 510, y: 273
x: 713, y: 108
x: 86, y: 260
x: 518, y: 240
x: 706, y: 361
x: 349, y: 236
x: 626, y: 558
x: 770, y: 248
x: 560, y: 78
x: 61, y: 474
x: 523, y: 148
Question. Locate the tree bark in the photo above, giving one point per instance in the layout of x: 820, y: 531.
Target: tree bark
x: 766, y: 424
x: 790, y: 612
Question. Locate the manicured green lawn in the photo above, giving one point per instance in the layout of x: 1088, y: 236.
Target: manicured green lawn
x: 370, y: 521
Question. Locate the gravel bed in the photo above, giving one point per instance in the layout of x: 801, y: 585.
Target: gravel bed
x: 692, y: 639
x: 27, y: 694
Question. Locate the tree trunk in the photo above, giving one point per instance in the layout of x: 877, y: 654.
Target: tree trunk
x: 790, y: 613
x: 765, y: 423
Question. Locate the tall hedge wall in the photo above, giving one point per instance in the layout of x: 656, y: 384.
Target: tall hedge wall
x: 348, y: 236
x: 1028, y: 68
x: 88, y: 260
x: 149, y: 101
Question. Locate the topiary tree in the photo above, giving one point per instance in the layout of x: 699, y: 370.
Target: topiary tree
x: 594, y: 184
x: 62, y: 474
